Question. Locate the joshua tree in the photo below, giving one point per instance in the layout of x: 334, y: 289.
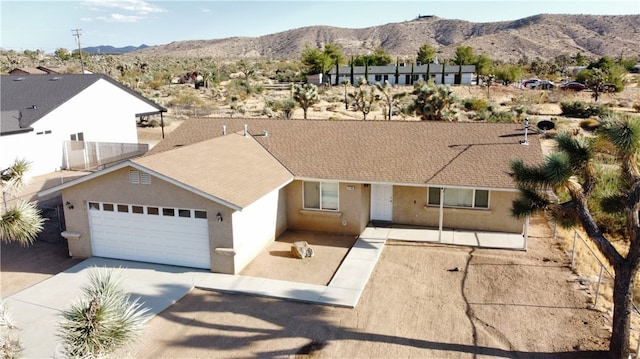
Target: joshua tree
x: 346, y: 84
x: 433, y: 102
x: 103, y: 320
x: 364, y: 98
x: 390, y: 99
x: 572, y: 174
x: 20, y: 222
x: 306, y: 96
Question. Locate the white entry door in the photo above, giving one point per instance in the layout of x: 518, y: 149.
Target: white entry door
x: 381, y: 202
x: 172, y: 236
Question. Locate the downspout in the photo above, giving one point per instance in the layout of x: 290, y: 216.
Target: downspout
x: 440, y: 220
x: 162, y: 124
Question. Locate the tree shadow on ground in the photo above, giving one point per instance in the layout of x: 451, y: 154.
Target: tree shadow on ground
x: 277, y: 319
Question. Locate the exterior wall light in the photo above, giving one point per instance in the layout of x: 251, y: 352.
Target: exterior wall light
x: 219, y: 217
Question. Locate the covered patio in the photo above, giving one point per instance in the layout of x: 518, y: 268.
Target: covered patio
x: 496, y: 240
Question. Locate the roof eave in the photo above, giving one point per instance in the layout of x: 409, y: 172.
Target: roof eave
x: 16, y: 132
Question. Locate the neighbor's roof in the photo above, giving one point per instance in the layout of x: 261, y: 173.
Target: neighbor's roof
x: 234, y: 169
x: 34, y: 96
x: 465, y: 154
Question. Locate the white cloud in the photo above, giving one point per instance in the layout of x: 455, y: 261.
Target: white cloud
x: 121, y: 10
x: 204, y: 9
x: 119, y: 18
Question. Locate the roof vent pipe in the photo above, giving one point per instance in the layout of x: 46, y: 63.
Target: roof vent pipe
x: 246, y: 130
x: 266, y: 133
x: 526, y: 130
x: 224, y: 130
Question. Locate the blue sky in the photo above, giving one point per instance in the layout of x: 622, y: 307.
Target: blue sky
x: 47, y: 25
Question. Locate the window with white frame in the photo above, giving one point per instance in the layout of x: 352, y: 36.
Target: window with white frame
x: 460, y: 197
x: 321, y: 195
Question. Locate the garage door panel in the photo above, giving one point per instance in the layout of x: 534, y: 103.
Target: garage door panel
x: 162, y: 239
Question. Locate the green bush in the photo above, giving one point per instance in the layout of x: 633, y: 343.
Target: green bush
x: 501, y: 117
x: 475, y: 104
x: 578, y: 109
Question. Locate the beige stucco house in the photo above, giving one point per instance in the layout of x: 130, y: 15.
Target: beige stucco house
x: 217, y: 191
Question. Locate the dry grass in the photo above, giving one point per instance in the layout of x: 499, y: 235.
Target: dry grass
x: 587, y: 266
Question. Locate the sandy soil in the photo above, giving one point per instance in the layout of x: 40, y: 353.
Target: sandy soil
x: 497, y: 304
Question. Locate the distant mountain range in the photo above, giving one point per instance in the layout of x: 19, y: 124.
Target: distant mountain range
x: 110, y: 50
x: 541, y: 36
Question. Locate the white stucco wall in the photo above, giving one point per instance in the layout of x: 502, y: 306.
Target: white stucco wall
x: 254, y: 228
x: 102, y: 112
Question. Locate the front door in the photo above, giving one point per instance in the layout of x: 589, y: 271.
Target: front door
x: 381, y: 202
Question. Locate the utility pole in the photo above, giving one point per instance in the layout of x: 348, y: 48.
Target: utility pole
x: 77, y: 35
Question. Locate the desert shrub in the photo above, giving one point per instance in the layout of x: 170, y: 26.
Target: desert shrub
x: 500, y: 116
x: 475, y: 104
x: 579, y: 109
x: 590, y: 124
x: 636, y: 106
x: 242, y: 89
x: 156, y: 84
x: 533, y: 111
x: 287, y: 107
x: 185, y: 98
x: 334, y: 98
x: 550, y: 133
x: 334, y: 118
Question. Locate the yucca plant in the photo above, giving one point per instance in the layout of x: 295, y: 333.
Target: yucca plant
x: 12, y: 178
x: 103, y: 320
x: 20, y: 222
x: 10, y: 346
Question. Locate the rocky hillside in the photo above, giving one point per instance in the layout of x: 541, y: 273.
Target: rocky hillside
x: 543, y: 36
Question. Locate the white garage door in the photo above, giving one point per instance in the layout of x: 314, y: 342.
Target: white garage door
x: 175, y: 236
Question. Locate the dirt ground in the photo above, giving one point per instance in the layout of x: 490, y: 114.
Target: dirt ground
x: 498, y: 303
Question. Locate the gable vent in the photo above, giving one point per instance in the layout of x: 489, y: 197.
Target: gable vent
x: 145, y: 178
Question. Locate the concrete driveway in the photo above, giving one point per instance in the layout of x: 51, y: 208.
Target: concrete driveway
x: 36, y: 309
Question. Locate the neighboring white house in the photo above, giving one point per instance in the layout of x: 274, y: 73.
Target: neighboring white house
x: 39, y: 113
x: 405, y: 75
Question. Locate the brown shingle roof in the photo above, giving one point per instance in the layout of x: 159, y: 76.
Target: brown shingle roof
x: 233, y: 168
x: 399, y: 152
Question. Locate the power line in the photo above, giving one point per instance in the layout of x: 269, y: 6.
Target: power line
x: 77, y: 36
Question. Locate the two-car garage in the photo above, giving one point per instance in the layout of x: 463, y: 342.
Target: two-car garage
x: 174, y: 236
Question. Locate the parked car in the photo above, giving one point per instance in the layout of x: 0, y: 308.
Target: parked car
x: 575, y: 86
x: 530, y: 82
x: 542, y: 85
